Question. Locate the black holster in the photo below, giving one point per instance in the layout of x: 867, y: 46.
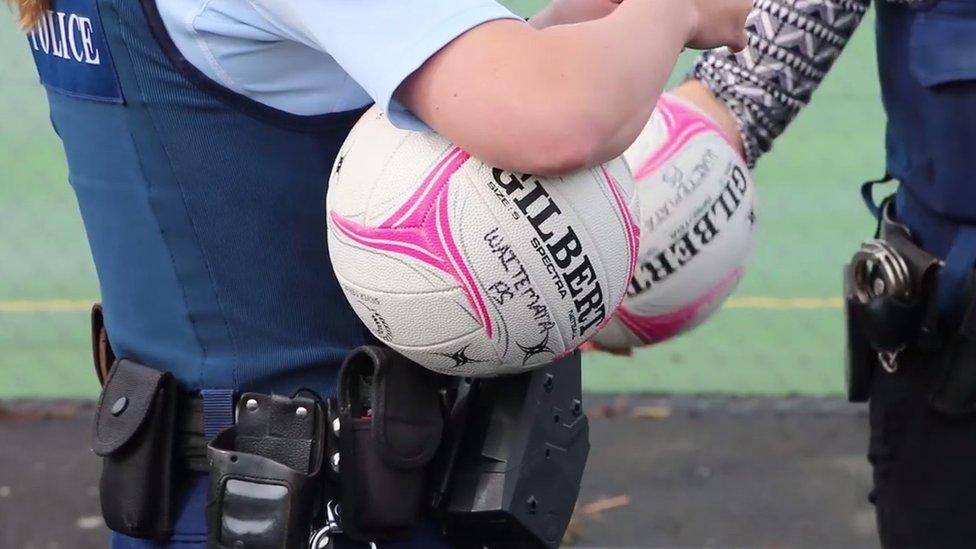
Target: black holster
x: 265, y: 491
x: 884, y: 324
x: 391, y: 420
x: 911, y: 330
x: 521, y: 452
x: 288, y: 463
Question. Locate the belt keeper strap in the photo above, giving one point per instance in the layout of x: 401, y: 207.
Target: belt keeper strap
x: 218, y: 411
x: 102, y: 353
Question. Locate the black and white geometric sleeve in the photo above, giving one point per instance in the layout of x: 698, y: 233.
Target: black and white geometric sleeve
x: 792, y: 44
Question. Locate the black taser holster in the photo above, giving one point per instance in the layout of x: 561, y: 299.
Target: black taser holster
x: 519, y: 455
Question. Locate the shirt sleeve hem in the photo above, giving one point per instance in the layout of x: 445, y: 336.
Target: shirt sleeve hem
x: 436, y: 37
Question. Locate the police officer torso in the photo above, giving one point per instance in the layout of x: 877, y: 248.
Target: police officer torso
x: 927, y: 64
x: 203, y: 196
x: 204, y: 209
x: 921, y: 387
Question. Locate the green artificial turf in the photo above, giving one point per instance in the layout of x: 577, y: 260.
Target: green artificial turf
x: 811, y: 220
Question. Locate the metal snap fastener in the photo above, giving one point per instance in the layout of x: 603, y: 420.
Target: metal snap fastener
x: 251, y: 404
x: 301, y: 411
x: 119, y: 406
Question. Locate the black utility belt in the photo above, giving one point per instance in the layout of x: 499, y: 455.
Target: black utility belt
x: 891, y: 309
x: 396, y: 446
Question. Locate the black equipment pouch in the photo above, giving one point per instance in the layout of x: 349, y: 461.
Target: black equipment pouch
x: 860, y: 359
x: 264, y: 474
x: 519, y: 459
x: 887, y: 289
x: 134, y: 434
x: 390, y: 421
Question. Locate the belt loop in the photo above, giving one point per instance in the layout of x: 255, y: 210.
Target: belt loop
x: 218, y: 411
x: 867, y: 194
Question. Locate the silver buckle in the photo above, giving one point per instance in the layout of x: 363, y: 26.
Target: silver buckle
x: 322, y: 538
x: 889, y: 360
x: 880, y: 271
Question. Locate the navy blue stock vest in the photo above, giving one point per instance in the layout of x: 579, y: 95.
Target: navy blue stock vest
x: 927, y: 63
x: 204, y: 209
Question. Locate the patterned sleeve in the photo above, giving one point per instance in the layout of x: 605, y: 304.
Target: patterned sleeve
x: 792, y: 44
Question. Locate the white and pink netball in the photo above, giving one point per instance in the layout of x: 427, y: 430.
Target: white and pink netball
x: 697, y: 221
x: 470, y: 270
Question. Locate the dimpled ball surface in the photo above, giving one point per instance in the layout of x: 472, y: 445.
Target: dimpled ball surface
x: 698, y: 212
x: 470, y: 270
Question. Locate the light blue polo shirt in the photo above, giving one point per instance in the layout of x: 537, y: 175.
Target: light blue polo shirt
x: 312, y: 57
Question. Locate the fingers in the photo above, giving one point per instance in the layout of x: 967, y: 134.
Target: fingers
x: 593, y: 346
x: 743, y: 9
x: 738, y: 41
x: 721, y: 23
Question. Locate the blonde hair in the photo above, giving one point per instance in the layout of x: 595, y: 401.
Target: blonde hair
x: 31, y: 11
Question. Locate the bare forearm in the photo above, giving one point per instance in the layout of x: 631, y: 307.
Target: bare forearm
x: 630, y: 64
x: 579, y: 92
x: 566, y: 12
x: 791, y: 47
x: 549, y: 16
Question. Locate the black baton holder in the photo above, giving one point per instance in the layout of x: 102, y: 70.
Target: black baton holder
x: 264, y: 487
x: 513, y: 474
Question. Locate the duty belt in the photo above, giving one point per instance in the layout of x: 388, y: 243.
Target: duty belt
x: 397, y: 444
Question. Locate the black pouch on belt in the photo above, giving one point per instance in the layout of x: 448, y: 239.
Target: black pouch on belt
x: 520, y: 459
x: 390, y: 425
x: 264, y: 485
x: 134, y: 434
x: 860, y: 359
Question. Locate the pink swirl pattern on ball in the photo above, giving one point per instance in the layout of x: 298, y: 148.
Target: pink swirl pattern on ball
x: 631, y: 230
x: 421, y: 229
x: 657, y: 328
x: 682, y: 124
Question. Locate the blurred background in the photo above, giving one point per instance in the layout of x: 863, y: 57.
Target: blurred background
x: 733, y: 436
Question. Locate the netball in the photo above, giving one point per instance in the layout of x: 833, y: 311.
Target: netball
x: 698, y: 213
x: 471, y: 270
